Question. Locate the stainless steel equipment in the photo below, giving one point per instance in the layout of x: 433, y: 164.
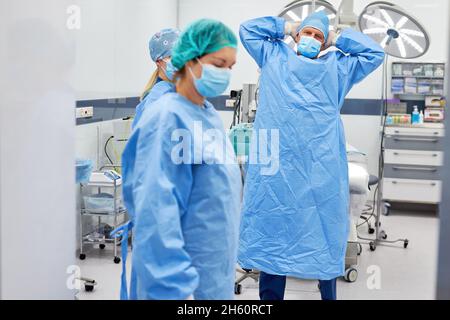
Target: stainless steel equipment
x: 249, y: 103
x: 103, y: 208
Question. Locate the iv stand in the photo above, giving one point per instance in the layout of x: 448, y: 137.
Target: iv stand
x: 380, y: 235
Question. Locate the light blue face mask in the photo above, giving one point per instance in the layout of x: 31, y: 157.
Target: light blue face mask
x: 213, y: 81
x: 309, y: 47
x: 170, y: 70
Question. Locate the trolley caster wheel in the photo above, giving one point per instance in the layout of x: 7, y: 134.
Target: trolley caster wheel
x: 117, y: 260
x: 351, y: 275
x: 387, y: 209
x: 360, y: 249
x: 82, y: 256
x: 383, y: 235
x: 237, y: 288
x: 405, y: 244
x: 89, y: 287
x: 102, y: 246
x: 371, y: 230
x: 372, y: 246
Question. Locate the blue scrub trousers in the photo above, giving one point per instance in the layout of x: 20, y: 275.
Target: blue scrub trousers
x: 272, y: 287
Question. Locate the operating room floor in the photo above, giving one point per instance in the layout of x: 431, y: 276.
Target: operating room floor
x: 403, y: 274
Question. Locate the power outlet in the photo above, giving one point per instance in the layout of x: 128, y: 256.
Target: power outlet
x: 230, y: 103
x: 85, y: 112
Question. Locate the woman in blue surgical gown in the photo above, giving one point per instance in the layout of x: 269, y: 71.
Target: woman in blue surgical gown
x: 296, y: 220
x: 181, y: 182
x: 160, y: 83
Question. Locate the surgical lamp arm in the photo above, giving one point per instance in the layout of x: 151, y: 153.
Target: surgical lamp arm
x: 346, y: 16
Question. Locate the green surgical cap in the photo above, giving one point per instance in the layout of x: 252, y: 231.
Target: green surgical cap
x: 202, y: 37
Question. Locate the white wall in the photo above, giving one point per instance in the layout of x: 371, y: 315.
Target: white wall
x: 112, y: 58
x: 431, y: 13
x: 232, y: 13
x: 91, y: 139
x: 37, y: 151
x: 112, y: 54
x: 111, y: 63
x: 361, y: 131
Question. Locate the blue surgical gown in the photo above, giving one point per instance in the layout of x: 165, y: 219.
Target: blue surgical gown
x: 296, y: 219
x: 159, y: 89
x: 186, y: 213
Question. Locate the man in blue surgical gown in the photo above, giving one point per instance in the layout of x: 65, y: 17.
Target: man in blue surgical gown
x: 296, y: 221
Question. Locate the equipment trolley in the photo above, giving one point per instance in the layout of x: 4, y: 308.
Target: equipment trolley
x: 101, y: 202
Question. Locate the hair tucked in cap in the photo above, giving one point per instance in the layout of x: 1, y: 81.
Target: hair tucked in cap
x: 319, y: 21
x: 202, y: 37
x: 161, y: 44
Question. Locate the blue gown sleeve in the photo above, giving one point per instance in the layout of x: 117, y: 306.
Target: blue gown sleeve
x: 262, y: 37
x: 161, y: 193
x: 362, y: 56
x: 160, y: 89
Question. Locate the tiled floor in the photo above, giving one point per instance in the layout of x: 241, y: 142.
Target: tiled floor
x: 403, y: 274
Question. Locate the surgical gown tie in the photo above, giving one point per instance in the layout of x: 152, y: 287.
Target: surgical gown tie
x: 123, y: 233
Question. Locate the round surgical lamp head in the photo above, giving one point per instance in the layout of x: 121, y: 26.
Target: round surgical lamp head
x: 298, y: 11
x: 399, y: 34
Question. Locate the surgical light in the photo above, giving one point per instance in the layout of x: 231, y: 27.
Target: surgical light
x: 401, y: 35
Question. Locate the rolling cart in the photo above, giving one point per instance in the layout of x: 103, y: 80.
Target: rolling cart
x: 354, y: 250
x: 101, y: 200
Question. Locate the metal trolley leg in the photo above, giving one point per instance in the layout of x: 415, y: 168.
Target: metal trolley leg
x: 245, y: 275
x: 380, y: 235
x: 82, y: 256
